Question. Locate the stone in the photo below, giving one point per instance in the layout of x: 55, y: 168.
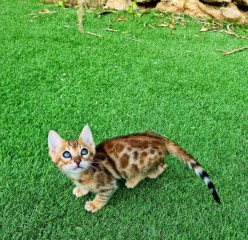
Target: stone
x: 118, y: 4
x: 216, y: 1
x: 94, y: 3
x: 241, y: 2
x: 231, y: 13
x: 144, y: 1
x: 228, y: 13
x: 189, y: 7
x: 197, y: 8
x: 211, y: 10
x: 170, y: 6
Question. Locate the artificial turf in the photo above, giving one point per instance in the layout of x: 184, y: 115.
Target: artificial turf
x: 171, y: 81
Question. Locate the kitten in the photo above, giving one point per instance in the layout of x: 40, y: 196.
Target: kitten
x: 132, y: 157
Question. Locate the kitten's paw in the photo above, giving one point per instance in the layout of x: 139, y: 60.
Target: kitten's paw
x: 79, y: 192
x: 164, y: 166
x: 131, y: 183
x: 92, y: 206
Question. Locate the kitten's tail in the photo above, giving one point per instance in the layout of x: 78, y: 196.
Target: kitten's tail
x: 186, y: 158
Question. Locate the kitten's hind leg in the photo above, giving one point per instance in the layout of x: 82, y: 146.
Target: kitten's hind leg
x: 157, y: 171
x: 132, y: 182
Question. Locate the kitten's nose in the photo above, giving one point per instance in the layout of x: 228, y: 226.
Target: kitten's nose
x: 77, y: 160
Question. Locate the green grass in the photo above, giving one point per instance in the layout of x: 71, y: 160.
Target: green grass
x: 169, y: 81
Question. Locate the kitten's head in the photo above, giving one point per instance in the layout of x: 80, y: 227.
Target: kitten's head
x: 74, y: 156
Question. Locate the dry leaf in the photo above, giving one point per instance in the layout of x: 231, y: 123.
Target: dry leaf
x: 46, y: 11
x: 172, y: 20
x: 151, y: 26
x: 181, y: 19
x: 121, y: 19
x: 111, y: 30
x: 159, y: 15
x: 233, y: 51
x: 235, y: 34
x: 163, y: 25
x: 204, y: 29
x: 95, y: 35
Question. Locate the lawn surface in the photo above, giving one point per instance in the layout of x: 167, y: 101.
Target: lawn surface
x: 173, y: 82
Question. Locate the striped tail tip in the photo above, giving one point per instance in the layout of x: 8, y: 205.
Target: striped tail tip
x: 205, y: 177
x: 216, y: 196
x: 213, y: 191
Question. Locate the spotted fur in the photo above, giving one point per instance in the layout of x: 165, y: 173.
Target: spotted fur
x: 132, y: 157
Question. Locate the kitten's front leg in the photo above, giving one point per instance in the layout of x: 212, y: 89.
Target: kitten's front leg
x: 79, y: 192
x: 100, y: 200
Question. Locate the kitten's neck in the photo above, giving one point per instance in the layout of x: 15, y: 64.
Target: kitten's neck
x: 77, y: 176
x: 73, y: 176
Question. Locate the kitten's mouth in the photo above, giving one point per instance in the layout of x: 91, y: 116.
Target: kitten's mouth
x: 77, y: 168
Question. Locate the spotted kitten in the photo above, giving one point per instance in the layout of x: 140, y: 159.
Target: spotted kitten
x: 132, y: 157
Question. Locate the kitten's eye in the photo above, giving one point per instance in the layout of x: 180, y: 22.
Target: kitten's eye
x: 66, y: 154
x: 84, y: 152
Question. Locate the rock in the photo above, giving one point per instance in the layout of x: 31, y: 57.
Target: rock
x: 241, y: 2
x: 191, y: 7
x: 197, y: 8
x: 181, y: 6
x: 93, y: 3
x: 228, y: 13
x: 118, y: 4
x: 178, y: 3
x: 144, y: 1
x: 170, y: 6
x: 211, y: 10
x: 216, y: 1
x: 231, y: 13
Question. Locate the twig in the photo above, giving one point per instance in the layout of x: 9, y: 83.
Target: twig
x: 232, y: 51
x: 235, y: 34
x: 111, y: 30
x: 149, y: 25
x: 228, y: 28
x: 95, y: 35
x: 80, y: 16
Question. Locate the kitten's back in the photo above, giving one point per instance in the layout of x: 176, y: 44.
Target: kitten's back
x: 133, y: 154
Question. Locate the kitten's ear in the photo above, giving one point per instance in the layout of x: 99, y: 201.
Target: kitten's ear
x: 55, y: 142
x: 86, y: 137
